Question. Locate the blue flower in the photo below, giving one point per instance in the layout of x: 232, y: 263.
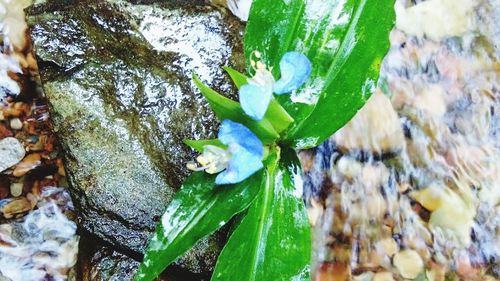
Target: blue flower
x: 295, y: 70
x: 257, y: 94
x: 241, y: 159
x: 246, y: 151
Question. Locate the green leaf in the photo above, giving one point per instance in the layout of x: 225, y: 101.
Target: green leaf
x: 345, y: 41
x: 273, y: 241
x: 276, y: 114
x: 226, y: 108
x: 238, y: 78
x: 197, y: 210
x: 199, y: 144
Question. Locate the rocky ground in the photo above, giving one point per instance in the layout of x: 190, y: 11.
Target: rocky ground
x: 37, y: 240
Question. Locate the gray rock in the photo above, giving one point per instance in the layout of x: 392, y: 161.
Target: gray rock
x: 11, y: 153
x: 117, y: 77
x: 101, y: 263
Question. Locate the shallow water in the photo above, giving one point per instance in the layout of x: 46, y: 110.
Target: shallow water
x: 413, y: 181
x: 43, y: 245
x: 37, y: 239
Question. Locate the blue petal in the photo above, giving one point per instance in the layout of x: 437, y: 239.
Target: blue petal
x: 255, y: 100
x: 246, y: 152
x: 295, y: 70
x: 235, y: 133
x: 242, y: 165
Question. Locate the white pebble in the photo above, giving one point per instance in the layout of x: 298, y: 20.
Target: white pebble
x: 16, y: 189
x: 16, y: 124
x: 11, y: 153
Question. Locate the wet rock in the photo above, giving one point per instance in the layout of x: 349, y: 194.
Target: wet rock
x: 11, y: 152
x: 118, y: 79
x: 101, y: 263
x: 105, y: 264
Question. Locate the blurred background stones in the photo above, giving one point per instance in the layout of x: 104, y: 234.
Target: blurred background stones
x: 409, y: 189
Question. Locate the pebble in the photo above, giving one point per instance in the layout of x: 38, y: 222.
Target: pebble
x: 17, y: 109
x: 387, y: 246
x: 455, y: 222
x: 332, y: 272
x: 15, y: 207
x: 383, y: 276
x: 29, y: 163
x: 365, y: 276
x: 432, y: 197
x: 364, y: 132
x: 16, y: 124
x: 408, y: 263
x: 11, y: 152
x: 16, y: 189
x: 349, y: 167
x: 436, y: 272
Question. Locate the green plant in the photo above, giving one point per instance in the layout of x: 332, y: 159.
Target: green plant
x: 326, y: 56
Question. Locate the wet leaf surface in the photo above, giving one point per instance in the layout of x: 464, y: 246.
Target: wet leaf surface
x: 197, y: 210
x: 346, y: 42
x: 272, y: 241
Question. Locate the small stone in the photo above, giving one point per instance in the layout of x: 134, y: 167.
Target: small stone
x: 16, y: 124
x: 332, y: 272
x: 376, y: 206
x: 15, y: 207
x: 408, y: 263
x: 314, y: 212
x: 16, y: 110
x: 383, y: 276
x: 11, y: 152
x: 374, y: 176
x: 387, y: 246
x: 403, y: 187
x: 365, y: 133
x: 453, y: 221
x: 436, y: 272
x: 349, y: 167
x: 60, y: 168
x: 431, y: 197
x: 465, y: 268
x: 29, y: 163
x: 306, y: 158
x: 365, y: 276
x: 16, y: 189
